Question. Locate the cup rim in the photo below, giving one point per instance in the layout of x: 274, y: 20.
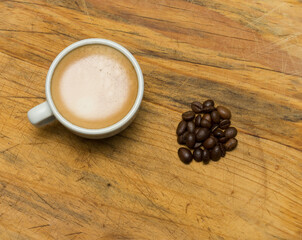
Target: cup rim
x: 116, y: 126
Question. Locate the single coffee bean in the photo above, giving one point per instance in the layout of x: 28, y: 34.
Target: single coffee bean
x: 198, y: 120
x: 188, y: 116
x: 222, y: 149
x: 206, y: 156
x: 182, y: 138
x: 196, y: 130
x: 214, y: 127
x: 182, y: 126
x: 215, y: 116
x: 208, y: 103
x: 215, y: 139
x: 190, y: 141
x: 230, y: 132
x: 223, y: 139
x: 215, y: 153
x: 197, y: 145
x: 224, y: 112
x: 209, y: 143
x: 197, y: 107
x: 231, y: 144
x: 208, y: 109
x: 185, y: 155
x: 191, y: 127
x: 207, y: 117
x: 224, y: 124
x: 205, y: 123
x: 185, y: 135
x: 202, y: 134
x: 197, y: 154
x: 218, y: 133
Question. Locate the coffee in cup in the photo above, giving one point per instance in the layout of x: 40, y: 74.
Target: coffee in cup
x: 94, y: 86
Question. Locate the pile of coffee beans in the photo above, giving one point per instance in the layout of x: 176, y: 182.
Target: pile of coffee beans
x: 207, y: 131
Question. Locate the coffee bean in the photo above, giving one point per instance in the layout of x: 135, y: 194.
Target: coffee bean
x: 215, y: 116
x: 207, y: 117
x: 197, y: 107
x: 224, y: 124
x: 224, y: 112
x: 230, y: 132
x: 191, y: 127
x: 208, y: 109
x: 181, y: 128
x: 218, y: 133
x: 231, y: 144
x: 186, y: 135
x: 215, y: 139
x: 215, y: 153
x: 188, y: 116
x: 197, y: 154
x: 182, y: 138
x: 222, y: 149
x: 209, y: 143
x: 196, y: 130
x: 223, y: 139
x: 208, y: 103
x: 185, y: 155
x: 198, y: 120
x: 197, y: 145
x: 190, y: 141
x: 206, y: 156
x: 202, y: 134
x: 205, y: 123
x: 214, y: 127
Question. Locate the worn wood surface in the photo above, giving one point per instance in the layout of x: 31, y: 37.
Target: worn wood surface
x: 244, y: 54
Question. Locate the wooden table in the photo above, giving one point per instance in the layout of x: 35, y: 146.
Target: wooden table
x: 246, y: 55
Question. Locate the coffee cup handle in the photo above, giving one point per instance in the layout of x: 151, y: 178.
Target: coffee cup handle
x: 40, y: 115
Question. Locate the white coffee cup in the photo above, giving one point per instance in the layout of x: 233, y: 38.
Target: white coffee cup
x: 47, y: 112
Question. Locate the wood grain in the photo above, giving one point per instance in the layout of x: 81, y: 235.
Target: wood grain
x: 244, y: 54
